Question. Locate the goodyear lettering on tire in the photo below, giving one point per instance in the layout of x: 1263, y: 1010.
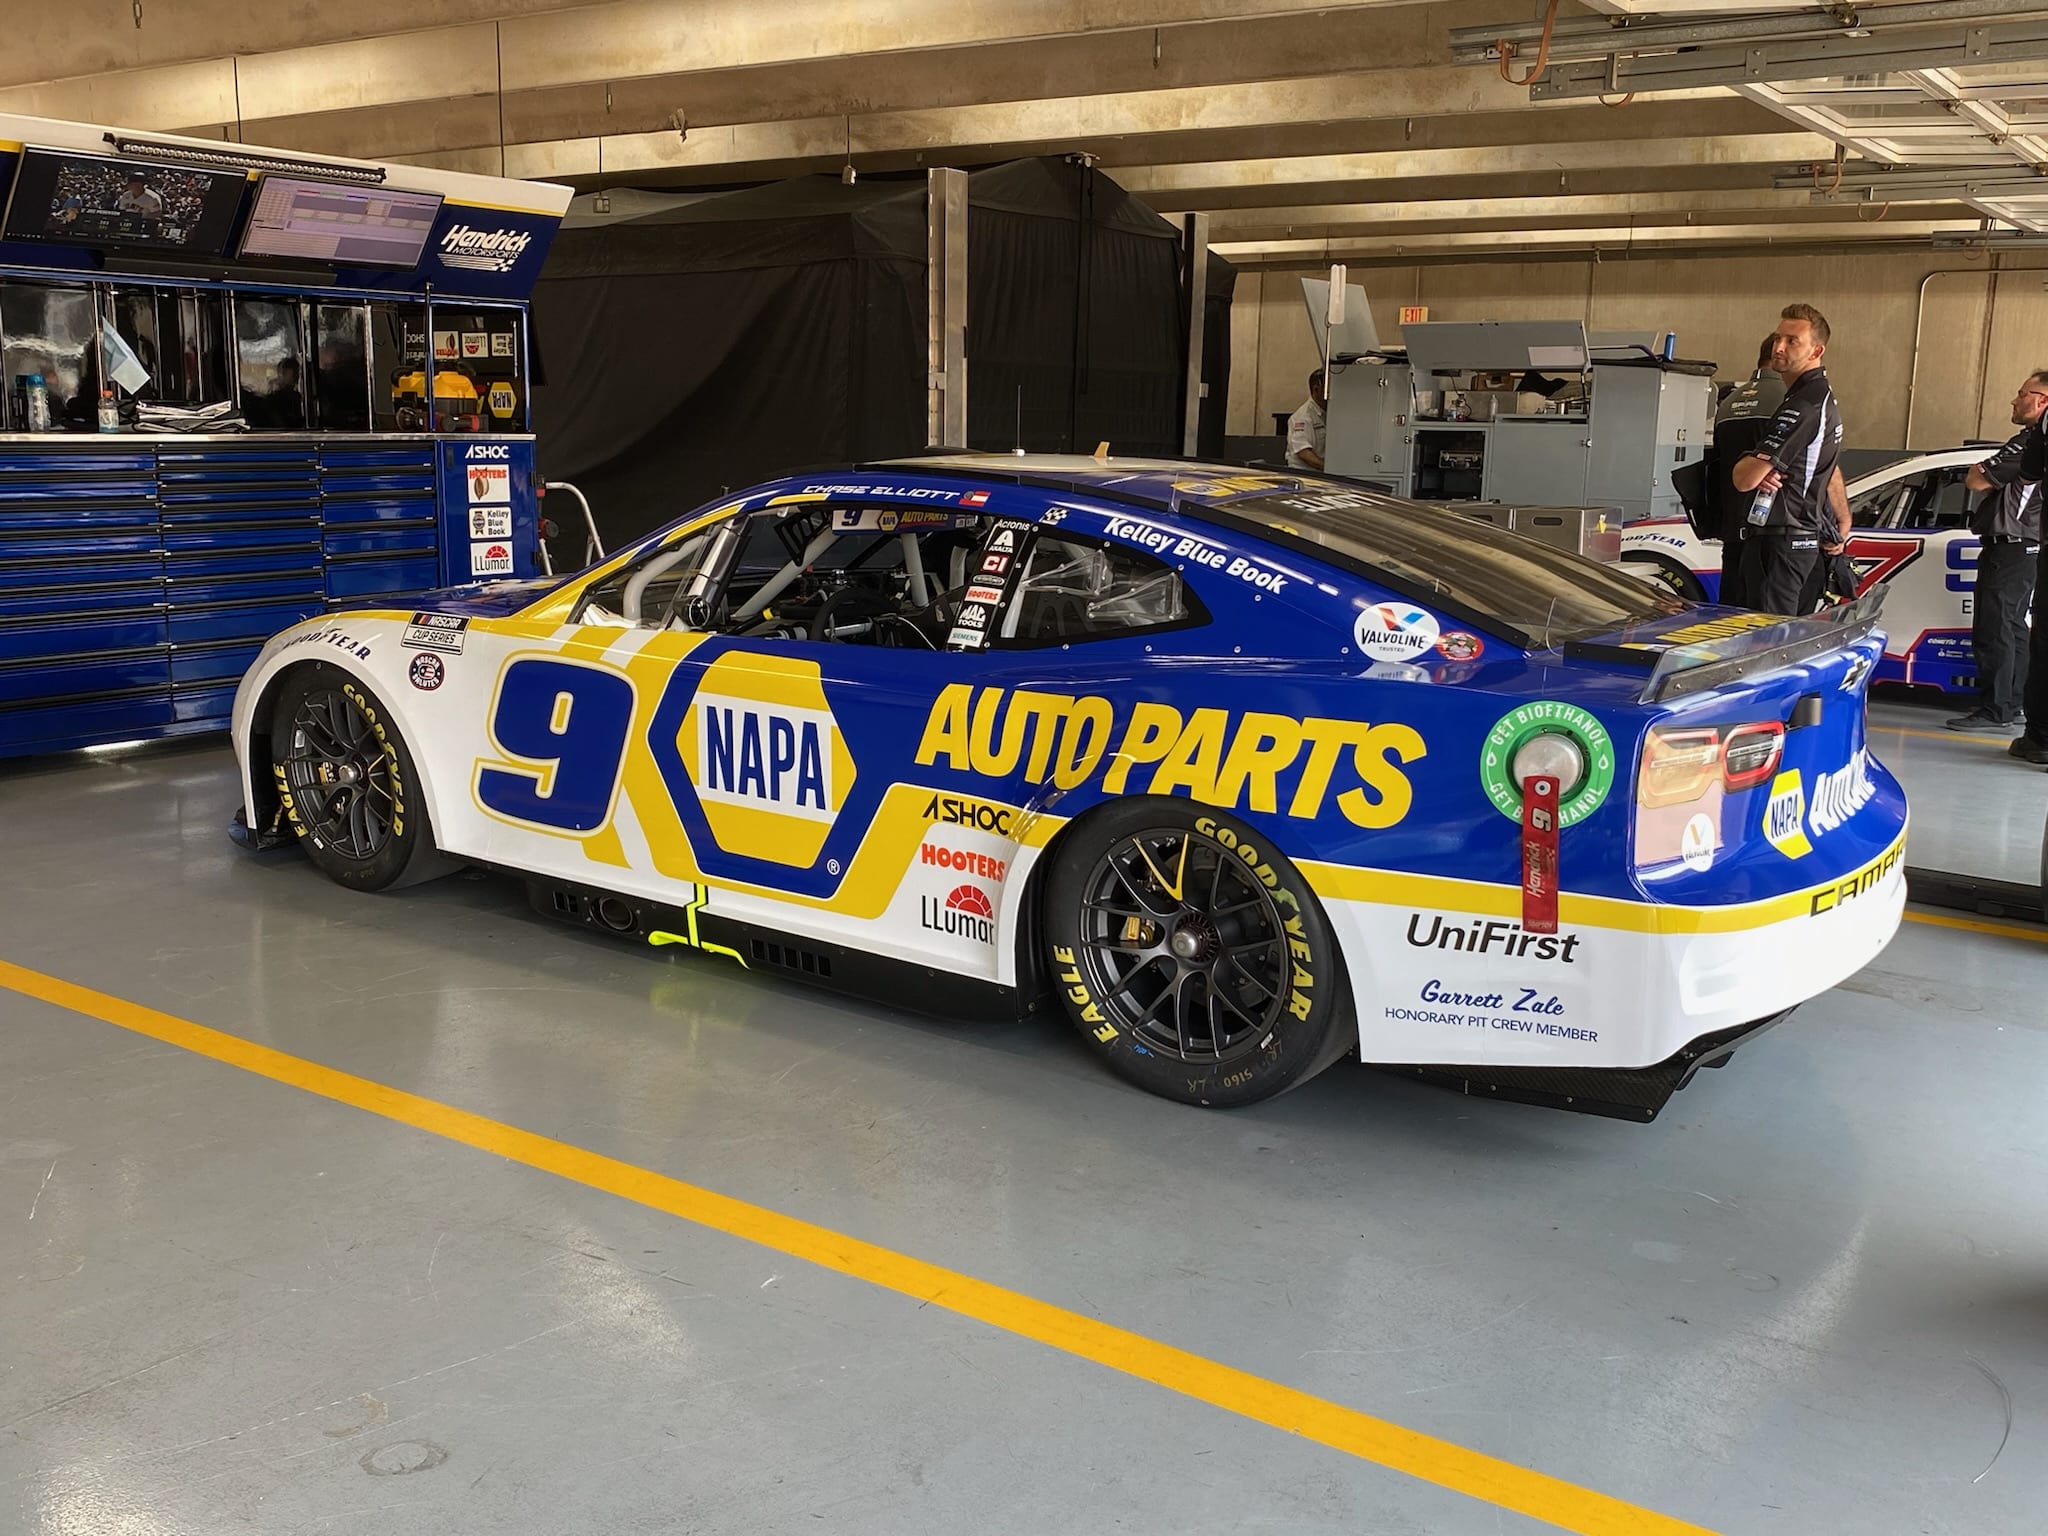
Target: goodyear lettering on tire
x: 1301, y: 957
x: 354, y: 696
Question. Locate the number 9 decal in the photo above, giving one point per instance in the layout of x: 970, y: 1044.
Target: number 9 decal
x: 563, y: 726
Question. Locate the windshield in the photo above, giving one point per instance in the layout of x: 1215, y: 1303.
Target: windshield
x: 1525, y: 590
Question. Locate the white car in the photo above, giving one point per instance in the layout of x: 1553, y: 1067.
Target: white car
x: 1911, y: 529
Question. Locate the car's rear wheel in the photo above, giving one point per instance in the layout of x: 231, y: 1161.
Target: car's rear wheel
x: 345, y: 779
x: 1191, y: 954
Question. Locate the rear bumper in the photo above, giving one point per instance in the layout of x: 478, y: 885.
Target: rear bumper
x: 1622, y: 987
x: 1622, y: 1093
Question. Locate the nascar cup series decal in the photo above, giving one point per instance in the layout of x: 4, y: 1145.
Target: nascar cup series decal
x: 1516, y: 727
x: 1396, y: 631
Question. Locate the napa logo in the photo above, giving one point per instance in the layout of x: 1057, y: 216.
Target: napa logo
x: 765, y: 757
x: 1785, y: 816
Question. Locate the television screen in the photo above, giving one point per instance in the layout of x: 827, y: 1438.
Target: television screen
x: 349, y: 226
x: 62, y: 198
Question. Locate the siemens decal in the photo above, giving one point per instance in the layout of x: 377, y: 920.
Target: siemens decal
x: 484, y: 250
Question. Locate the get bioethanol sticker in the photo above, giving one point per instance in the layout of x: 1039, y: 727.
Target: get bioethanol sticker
x: 1516, y: 727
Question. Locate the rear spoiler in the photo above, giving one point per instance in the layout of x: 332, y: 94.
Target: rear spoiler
x: 1687, y: 669
x: 1681, y: 669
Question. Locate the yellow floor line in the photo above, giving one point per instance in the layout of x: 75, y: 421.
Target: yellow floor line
x: 2008, y: 930
x: 1972, y: 739
x: 1469, y: 1472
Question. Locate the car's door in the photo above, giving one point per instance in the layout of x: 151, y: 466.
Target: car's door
x: 873, y: 795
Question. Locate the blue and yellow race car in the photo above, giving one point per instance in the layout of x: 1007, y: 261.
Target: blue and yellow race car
x: 1248, y: 771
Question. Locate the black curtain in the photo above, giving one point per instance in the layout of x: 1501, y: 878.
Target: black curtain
x: 700, y: 350
x: 706, y: 347
x: 1209, y: 425
x: 1074, y: 313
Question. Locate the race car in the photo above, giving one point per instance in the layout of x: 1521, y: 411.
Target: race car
x: 1912, y: 532
x: 1248, y: 772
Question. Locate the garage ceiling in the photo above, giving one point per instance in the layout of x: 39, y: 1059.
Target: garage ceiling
x: 1368, y: 131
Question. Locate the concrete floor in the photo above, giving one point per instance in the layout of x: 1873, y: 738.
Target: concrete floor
x: 1976, y: 810
x: 1812, y: 1298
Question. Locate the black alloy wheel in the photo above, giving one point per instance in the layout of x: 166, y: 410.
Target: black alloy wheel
x: 1183, y: 946
x: 1191, y: 954
x: 345, y: 781
x: 342, y: 778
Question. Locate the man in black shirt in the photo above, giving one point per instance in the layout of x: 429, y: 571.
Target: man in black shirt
x: 1741, y: 423
x: 2009, y: 524
x: 1803, y: 510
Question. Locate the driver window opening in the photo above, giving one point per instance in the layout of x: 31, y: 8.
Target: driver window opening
x: 1070, y: 590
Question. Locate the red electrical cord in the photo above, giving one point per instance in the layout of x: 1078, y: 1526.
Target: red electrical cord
x: 1507, y: 50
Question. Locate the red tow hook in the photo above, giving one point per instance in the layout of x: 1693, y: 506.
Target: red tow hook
x: 1539, y: 855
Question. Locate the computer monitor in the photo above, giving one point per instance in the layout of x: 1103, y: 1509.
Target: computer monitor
x: 350, y: 226
x: 65, y: 198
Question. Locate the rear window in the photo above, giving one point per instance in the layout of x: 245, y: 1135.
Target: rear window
x: 1523, y: 590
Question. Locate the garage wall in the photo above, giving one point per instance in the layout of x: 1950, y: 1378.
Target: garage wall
x: 1982, y: 331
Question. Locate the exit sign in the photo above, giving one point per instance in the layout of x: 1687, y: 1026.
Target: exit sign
x: 1414, y: 314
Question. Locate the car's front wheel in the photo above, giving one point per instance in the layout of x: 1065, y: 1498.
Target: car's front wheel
x: 345, y: 779
x: 1192, y: 955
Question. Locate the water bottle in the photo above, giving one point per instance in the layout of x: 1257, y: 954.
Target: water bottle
x: 1760, y: 509
x: 110, y: 412
x: 37, y: 400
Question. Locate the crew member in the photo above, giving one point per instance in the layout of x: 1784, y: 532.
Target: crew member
x: 1804, y: 511
x: 2009, y: 524
x: 1745, y: 416
x: 1306, y: 428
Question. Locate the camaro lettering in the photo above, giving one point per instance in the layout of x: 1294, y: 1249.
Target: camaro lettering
x: 1253, y: 760
x: 1492, y: 936
x: 1864, y: 880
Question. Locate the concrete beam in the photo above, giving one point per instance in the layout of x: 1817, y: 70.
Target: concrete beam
x: 1508, y: 214
x: 547, y: 43
x: 1752, y: 237
x: 1221, y: 181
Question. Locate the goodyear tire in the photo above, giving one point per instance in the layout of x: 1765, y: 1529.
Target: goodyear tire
x: 346, y: 781
x: 1668, y: 574
x: 1192, y: 955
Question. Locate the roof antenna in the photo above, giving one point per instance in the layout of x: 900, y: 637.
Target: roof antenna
x: 1019, y: 449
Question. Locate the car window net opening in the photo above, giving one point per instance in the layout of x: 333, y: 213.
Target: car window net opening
x: 854, y: 575
x: 1529, y: 591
